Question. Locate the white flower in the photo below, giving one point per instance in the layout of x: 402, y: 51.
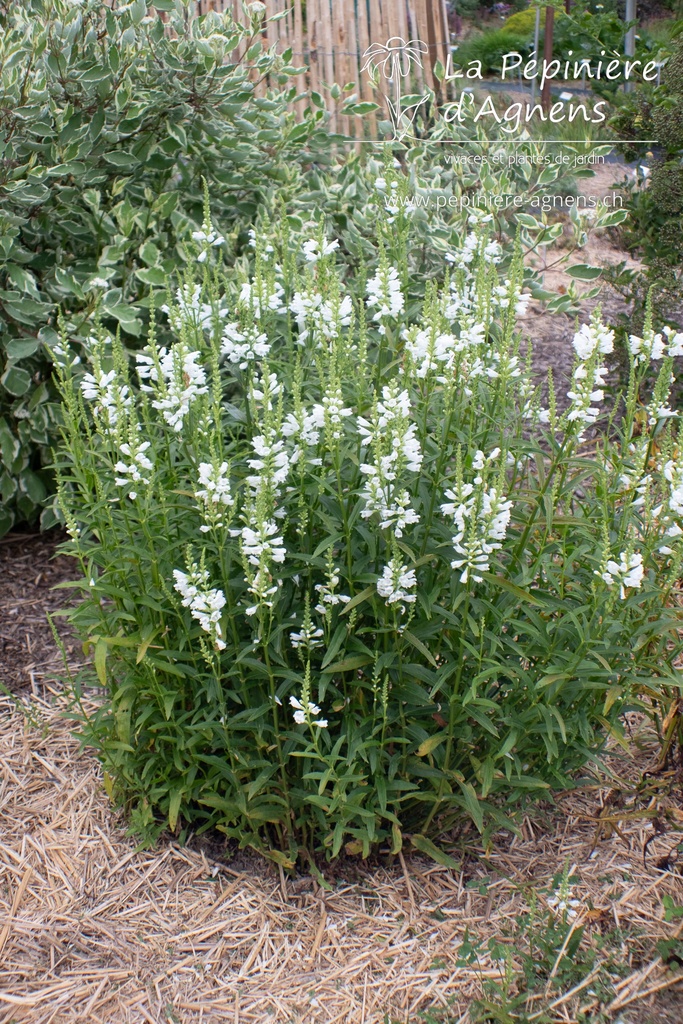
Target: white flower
x: 265, y: 389
x: 481, y: 517
x: 675, y: 342
x: 391, y: 437
x: 244, y: 345
x: 396, y: 583
x: 262, y: 543
x: 215, y: 484
x: 385, y: 295
x: 329, y: 598
x: 272, y: 463
x: 313, y: 251
x: 628, y: 572
x: 562, y: 902
x: 588, y: 377
x: 305, y: 427
x: 308, y: 637
x: 205, y: 604
x: 318, y: 318
x: 206, y: 237
x: 109, y: 396
x: 650, y: 346
x: 191, y: 311
x: 334, y: 412
x: 214, y: 492
x: 430, y: 350
x: 135, y: 471
x: 261, y: 295
x: 304, y: 712
x: 182, y: 380
x: 591, y: 338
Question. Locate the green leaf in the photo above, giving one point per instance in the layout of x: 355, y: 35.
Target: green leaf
x: 154, y: 276
x: 149, y: 253
x: 101, y: 651
x: 177, y: 132
x: 412, y: 639
x: 31, y: 484
x: 358, y: 599
x: 512, y: 588
x: 356, y: 661
x: 360, y: 109
x: 472, y: 804
x: 174, y: 808
x: 16, y: 381
x: 584, y: 272
x: 22, y: 348
x: 427, y: 847
x: 430, y: 744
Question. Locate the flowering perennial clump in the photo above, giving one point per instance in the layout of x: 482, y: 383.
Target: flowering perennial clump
x: 378, y: 518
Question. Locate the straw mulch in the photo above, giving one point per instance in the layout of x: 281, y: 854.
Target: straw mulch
x: 93, y: 931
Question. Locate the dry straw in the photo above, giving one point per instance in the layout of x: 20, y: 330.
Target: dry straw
x: 93, y: 930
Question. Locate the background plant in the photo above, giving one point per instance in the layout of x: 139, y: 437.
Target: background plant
x: 655, y: 202
x: 343, y: 586
x: 108, y: 123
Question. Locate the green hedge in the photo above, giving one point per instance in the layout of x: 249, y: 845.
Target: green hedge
x: 107, y: 126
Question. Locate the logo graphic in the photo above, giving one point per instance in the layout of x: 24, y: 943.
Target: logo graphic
x: 395, y: 61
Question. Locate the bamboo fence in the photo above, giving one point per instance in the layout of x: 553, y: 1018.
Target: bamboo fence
x: 330, y: 38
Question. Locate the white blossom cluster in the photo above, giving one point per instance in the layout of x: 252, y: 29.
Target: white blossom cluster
x: 393, y: 203
x: 272, y: 463
x: 563, y: 902
x: 481, y: 517
x: 262, y: 547
x: 261, y: 541
x: 385, y: 295
x: 305, y: 712
x: 206, y: 238
x: 261, y: 296
x: 397, y: 584
x: 328, y: 598
x: 109, y: 396
x: 190, y: 311
x: 391, y: 437
x: 244, y: 345
x: 304, y: 427
x: 650, y: 347
x: 315, y: 250
x: 318, y: 318
x: 475, y: 244
x: 182, y: 380
x: 671, y: 511
x: 431, y: 350
x: 590, y: 342
x: 627, y: 572
x: 134, y: 471
x: 214, y: 493
x: 308, y: 637
x: 205, y: 603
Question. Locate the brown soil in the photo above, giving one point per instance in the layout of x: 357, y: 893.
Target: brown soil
x: 29, y: 572
x: 551, y: 334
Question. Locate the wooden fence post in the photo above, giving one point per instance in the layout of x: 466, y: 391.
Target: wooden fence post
x: 547, y: 56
